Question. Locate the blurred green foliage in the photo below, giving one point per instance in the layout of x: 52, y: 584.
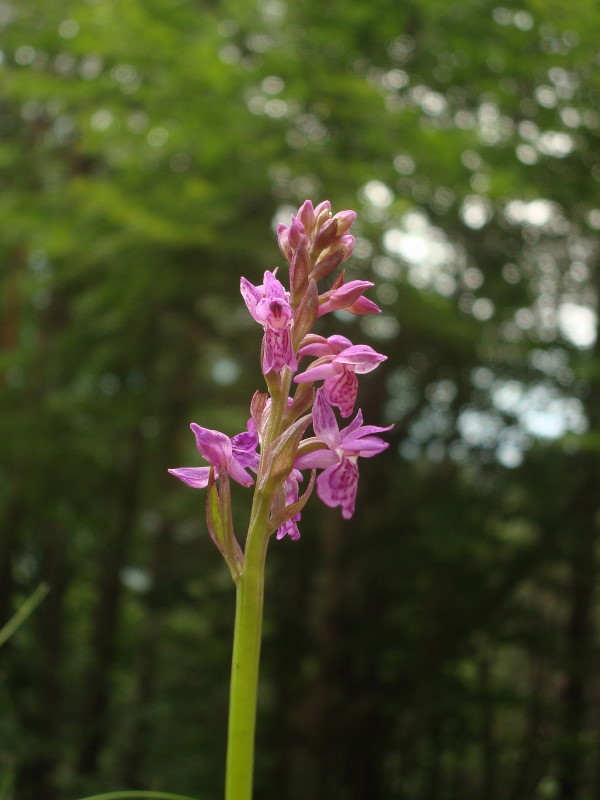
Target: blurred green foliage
x: 442, y: 644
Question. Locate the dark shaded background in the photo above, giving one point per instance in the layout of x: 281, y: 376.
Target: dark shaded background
x: 441, y: 645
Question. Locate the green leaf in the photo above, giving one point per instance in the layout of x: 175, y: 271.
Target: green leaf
x: 220, y: 523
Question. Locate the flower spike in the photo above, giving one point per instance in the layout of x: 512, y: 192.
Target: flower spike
x: 275, y: 446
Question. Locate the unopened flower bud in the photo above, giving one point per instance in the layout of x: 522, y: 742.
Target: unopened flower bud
x: 326, y: 235
x: 326, y: 265
x: 283, y: 241
x: 296, y: 232
x: 322, y: 214
x: 306, y: 314
x: 299, y: 265
x: 306, y: 216
x: 345, y: 244
x: 290, y: 237
x: 258, y: 406
x: 344, y: 220
x: 348, y: 296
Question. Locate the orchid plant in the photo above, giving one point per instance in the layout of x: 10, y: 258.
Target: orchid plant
x: 275, y: 450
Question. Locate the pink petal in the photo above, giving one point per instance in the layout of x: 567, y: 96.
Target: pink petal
x: 349, y: 292
x: 273, y: 287
x: 365, y: 430
x: 319, y: 346
x: 246, y: 456
x: 238, y: 473
x: 362, y: 357
x: 317, y: 459
x: 319, y: 373
x: 213, y: 445
x: 326, y: 307
x: 338, y: 343
x: 324, y: 423
x: 246, y: 442
x: 306, y: 215
x: 196, y: 477
x: 289, y: 528
x: 251, y: 295
x: 337, y: 485
x: 363, y: 306
x: 353, y: 426
x: 366, y: 447
x: 315, y: 346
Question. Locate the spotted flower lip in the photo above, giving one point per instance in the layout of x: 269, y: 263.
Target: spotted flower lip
x: 232, y: 456
x: 337, y: 484
x: 337, y: 364
x: 269, y: 305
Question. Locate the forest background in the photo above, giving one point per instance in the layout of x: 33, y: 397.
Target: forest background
x: 441, y: 645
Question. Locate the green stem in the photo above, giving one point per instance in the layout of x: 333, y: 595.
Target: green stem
x: 248, y: 618
x: 246, y: 656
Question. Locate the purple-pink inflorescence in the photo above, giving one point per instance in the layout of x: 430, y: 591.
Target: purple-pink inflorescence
x: 315, y: 243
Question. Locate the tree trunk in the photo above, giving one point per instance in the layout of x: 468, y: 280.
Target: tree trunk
x: 579, y: 643
x: 105, y: 624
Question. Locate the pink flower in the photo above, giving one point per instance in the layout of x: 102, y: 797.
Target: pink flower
x: 337, y: 484
x: 233, y: 456
x: 269, y: 305
x: 348, y: 296
x: 339, y: 361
